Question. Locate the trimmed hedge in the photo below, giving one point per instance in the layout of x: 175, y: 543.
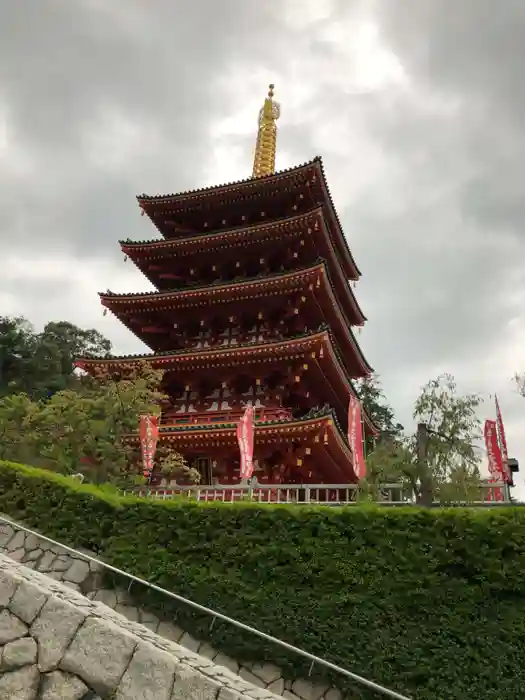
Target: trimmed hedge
x: 428, y: 602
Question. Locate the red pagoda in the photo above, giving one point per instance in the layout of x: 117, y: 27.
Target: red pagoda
x: 253, y: 307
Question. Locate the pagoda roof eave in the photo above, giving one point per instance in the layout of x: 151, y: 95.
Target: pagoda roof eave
x: 210, y: 289
x: 212, y: 190
x: 254, y: 285
x: 276, y: 350
x: 144, y: 200
x: 316, y: 421
x: 280, y: 279
x: 129, y: 246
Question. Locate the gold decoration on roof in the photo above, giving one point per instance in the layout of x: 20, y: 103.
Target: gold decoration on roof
x: 264, y: 159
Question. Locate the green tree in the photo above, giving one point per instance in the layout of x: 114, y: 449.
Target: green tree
x: 439, y: 462
x: 87, y: 430
x: 40, y: 364
x: 57, y: 349
x: 17, y: 350
x: 378, y: 409
x: 375, y: 404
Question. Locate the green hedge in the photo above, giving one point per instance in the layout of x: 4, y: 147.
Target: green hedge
x: 429, y: 602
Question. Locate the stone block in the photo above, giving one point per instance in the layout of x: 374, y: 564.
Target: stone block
x: 11, y: 628
x: 228, y: 694
x: 77, y: 572
x: 189, y: 642
x: 170, y: 631
x: 128, y: 611
x: 31, y: 564
x: 276, y: 687
x: 207, y: 651
x: 32, y: 555
x: 6, y: 534
x: 333, y: 694
x: 190, y: 685
x: 17, y: 554
x: 22, y: 652
x: 58, y: 685
x: 258, y: 694
x: 266, y: 672
x: 61, y: 563
x: 27, y: 602
x: 46, y: 561
x: 72, y: 586
x: 55, y: 575
x: 99, y: 654
x: 8, y: 586
x: 107, y: 597
x: 123, y: 597
x: 54, y: 629
x: 308, y: 691
x: 147, y: 616
x: 32, y: 542
x: 249, y: 676
x: 149, y: 676
x: 17, y: 542
x: 21, y: 684
x: 226, y: 661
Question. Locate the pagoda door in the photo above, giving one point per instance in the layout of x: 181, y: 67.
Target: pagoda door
x: 203, y: 466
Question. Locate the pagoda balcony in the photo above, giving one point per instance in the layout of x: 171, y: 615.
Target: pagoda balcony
x: 262, y: 415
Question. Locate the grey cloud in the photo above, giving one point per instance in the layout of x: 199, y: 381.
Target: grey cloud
x: 437, y: 231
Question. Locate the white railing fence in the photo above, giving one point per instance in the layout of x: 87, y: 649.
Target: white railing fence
x: 301, y: 494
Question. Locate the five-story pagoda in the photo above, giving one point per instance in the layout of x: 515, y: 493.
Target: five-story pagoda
x: 253, y: 307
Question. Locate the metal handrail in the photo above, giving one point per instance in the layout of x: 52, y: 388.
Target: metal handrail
x: 217, y: 615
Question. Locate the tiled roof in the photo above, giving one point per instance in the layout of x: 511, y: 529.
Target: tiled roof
x: 214, y: 285
x: 225, y: 186
x: 215, y: 189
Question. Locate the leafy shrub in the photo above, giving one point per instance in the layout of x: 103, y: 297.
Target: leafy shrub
x: 428, y: 602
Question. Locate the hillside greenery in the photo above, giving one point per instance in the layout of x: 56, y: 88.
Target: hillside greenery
x: 430, y: 602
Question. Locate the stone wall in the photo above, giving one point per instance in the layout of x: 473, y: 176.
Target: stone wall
x: 80, y: 576
x: 55, y: 644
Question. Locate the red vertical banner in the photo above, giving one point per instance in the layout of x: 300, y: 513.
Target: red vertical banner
x: 355, y: 438
x: 495, y: 460
x: 245, y: 438
x: 502, y: 443
x: 149, y: 435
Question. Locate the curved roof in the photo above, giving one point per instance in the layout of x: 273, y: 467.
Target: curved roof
x: 218, y: 290
x: 251, y: 183
x: 143, y: 251
x: 276, y: 349
x: 299, y: 280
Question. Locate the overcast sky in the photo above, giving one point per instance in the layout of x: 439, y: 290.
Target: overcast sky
x: 417, y: 108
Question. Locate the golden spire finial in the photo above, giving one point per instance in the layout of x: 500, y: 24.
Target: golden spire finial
x: 264, y: 159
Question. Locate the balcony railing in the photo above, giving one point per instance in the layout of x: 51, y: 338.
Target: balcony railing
x: 171, y: 419
x: 303, y: 494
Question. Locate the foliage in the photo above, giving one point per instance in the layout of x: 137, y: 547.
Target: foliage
x: 429, y: 602
x: 375, y: 404
x: 40, y: 364
x: 86, y: 430
x: 438, y: 463
x: 17, y: 349
x: 520, y: 383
